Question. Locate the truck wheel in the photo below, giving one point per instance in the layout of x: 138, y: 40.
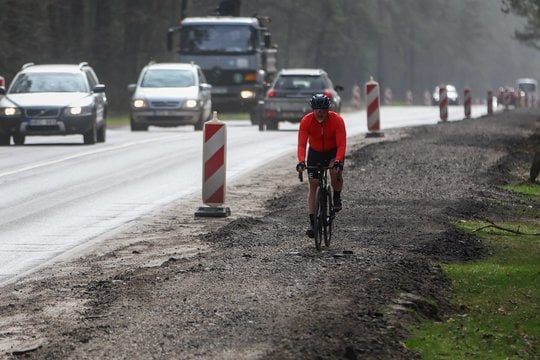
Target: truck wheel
x: 253, y: 116
x: 19, y: 139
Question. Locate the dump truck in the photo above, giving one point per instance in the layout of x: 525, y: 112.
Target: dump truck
x: 235, y: 54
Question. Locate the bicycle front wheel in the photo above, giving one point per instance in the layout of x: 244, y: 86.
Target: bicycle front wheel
x: 319, y: 221
x: 329, y: 216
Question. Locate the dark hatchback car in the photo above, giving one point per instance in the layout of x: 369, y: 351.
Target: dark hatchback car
x: 289, y: 95
x: 53, y: 100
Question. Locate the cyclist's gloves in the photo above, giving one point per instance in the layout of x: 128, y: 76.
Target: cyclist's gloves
x: 338, y: 165
x: 301, y: 166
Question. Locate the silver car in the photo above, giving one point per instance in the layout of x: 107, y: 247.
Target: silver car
x: 170, y: 94
x: 289, y: 95
x: 451, y: 94
x: 53, y: 100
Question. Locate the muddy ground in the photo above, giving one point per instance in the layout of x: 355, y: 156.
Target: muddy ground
x: 252, y: 286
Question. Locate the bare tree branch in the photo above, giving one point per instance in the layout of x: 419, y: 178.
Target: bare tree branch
x: 493, y: 225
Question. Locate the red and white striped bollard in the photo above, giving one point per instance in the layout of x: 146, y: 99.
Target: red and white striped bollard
x: 356, y: 96
x: 467, y: 102
x: 214, y: 169
x: 490, y: 102
x: 373, y: 103
x: 443, y: 103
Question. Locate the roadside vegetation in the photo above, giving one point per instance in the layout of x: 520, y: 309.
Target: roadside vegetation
x: 498, y: 297
x: 117, y: 120
x: 123, y: 119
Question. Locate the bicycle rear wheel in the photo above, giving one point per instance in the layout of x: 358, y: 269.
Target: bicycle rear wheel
x: 329, y: 217
x: 319, y: 220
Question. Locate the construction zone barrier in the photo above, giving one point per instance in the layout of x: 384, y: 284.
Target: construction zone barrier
x: 507, y: 97
x: 489, y: 102
x: 214, y: 169
x: 443, y: 103
x: 467, y: 102
x: 356, y: 96
x: 2, y: 82
x: 373, y: 105
x: 388, y: 96
x: 427, y: 98
x: 409, y: 97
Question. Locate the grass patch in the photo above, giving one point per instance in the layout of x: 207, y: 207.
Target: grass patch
x: 233, y: 116
x: 530, y: 190
x: 117, y: 120
x: 500, y: 298
x: 123, y: 120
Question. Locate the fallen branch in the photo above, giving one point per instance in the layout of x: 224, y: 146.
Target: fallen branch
x: 493, y: 225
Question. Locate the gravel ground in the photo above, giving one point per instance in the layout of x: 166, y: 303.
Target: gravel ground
x: 252, y: 286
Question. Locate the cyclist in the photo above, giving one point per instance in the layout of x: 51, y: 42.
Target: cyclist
x: 324, y: 130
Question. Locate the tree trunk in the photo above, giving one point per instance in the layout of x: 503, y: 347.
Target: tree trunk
x: 535, y: 167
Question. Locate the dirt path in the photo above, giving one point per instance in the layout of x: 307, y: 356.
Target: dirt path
x: 252, y: 286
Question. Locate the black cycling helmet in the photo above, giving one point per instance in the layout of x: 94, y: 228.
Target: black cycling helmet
x: 320, y: 101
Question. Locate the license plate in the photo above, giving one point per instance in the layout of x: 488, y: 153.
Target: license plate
x: 163, y: 113
x: 290, y: 114
x: 219, y: 90
x: 42, y: 122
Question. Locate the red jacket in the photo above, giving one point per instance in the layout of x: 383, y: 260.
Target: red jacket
x: 322, y: 137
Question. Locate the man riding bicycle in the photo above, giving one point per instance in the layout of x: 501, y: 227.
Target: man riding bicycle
x: 324, y: 130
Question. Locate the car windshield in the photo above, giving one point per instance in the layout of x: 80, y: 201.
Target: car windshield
x: 217, y: 39
x: 168, y: 78
x: 527, y: 87
x: 299, y: 82
x: 48, y: 82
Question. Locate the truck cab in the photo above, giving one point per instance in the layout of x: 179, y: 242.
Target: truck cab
x: 235, y: 55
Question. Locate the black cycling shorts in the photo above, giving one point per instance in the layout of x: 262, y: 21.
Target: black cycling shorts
x: 316, y: 157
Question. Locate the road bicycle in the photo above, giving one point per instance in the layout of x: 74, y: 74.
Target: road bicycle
x: 324, y: 207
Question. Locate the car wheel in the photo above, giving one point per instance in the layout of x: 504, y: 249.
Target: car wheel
x: 4, y: 139
x: 272, y: 125
x: 19, y: 139
x: 90, y: 137
x: 199, y: 124
x: 102, y: 133
x: 137, y: 127
x: 254, y: 116
x: 262, y: 124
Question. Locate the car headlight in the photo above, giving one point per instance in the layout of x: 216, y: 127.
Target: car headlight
x: 10, y: 111
x: 190, y: 104
x: 78, y: 110
x: 139, y: 104
x: 247, y: 94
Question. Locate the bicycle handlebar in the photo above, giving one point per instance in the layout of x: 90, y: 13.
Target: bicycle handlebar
x: 311, y: 167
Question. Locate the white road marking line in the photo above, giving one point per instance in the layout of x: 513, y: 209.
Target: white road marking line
x: 82, y: 155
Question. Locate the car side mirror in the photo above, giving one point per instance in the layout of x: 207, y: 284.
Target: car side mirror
x: 205, y: 86
x: 131, y: 87
x: 338, y: 88
x: 99, y: 88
